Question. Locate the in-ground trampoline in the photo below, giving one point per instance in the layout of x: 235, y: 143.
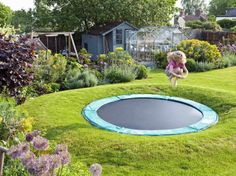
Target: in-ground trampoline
x: 147, y: 114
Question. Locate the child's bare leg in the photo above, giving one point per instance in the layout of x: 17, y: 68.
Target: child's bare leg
x: 173, y: 82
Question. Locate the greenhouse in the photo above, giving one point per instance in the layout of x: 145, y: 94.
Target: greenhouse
x: 143, y: 44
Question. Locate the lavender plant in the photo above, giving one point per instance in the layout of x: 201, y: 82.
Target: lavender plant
x: 226, y: 49
x: 34, y: 156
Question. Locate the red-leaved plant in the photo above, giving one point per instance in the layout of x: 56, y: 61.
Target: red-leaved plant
x: 16, y: 56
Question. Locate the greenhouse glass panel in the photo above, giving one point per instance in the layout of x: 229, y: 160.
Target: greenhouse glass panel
x: 143, y: 44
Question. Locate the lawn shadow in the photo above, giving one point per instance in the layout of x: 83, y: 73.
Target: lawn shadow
x: 60, y: 130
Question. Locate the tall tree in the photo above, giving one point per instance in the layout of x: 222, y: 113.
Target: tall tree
x: 82, y: 14
x: 5, y: 15
x: 23, y: 20
x: 219, y: 7
x: 191, y: 6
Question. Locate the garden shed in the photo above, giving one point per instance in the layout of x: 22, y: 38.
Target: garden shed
x: 230, y: 15
x: 106, y: 37
x: 143, y: 44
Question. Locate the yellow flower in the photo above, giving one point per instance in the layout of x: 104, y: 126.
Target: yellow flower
x: 26, y: 124
x: 1, y: 119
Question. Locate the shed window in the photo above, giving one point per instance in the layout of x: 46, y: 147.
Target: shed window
x: 119, y: 36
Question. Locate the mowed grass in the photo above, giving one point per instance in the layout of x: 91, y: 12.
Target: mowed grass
x: 208, y: 153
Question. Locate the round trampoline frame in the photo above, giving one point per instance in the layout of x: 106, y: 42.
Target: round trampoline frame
x: 209, y: 116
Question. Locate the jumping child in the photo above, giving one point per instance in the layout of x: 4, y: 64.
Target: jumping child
x: 176, y: 68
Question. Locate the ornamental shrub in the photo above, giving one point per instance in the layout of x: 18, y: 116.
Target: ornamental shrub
x: 141, y: 72
x: 84, y: 57
x: 12, y: 123
x: 226, y: 23
x: 120, y: 73
x: 76, y: 79
x: 227, y: 49
x: 119, y: 57
x: 204, y: 66
x: 160, y: 59
x: 191, y: 65
x: 16, y: 57
x: 50, y: 69
x: 200, y: 51
x: 213, y: 26
x: 233, y: 29
x: 208, y: 25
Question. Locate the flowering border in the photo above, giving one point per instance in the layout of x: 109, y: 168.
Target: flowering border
x: 209, y: 118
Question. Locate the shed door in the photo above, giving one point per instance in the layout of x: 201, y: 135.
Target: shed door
x: 119, y: 39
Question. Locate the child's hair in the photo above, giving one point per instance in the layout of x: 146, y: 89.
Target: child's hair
x: 176, y: 55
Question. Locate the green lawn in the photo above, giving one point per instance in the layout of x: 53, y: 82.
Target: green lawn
x: 208, y: 153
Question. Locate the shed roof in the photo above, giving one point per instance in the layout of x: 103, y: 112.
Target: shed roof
x: 229, y: 13
x: 102, y: 29
x: 194, y: 17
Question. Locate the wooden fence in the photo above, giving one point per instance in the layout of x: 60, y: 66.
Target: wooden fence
x: 216, y: 37
x: 2, y: 156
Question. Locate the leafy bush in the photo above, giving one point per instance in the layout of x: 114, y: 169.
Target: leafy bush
x: 119, y: 57
x: 50, y: 69
x: 76, y: 79
x: 191, y: 65
x: 160, y: 59
x: 200, y: 51
x: 141, y: 72
x: 84, y: 57
x: 226, y: 23
x: 16, y: 58
x: 228, y: 60
x: 12, y: 123
x: 208, y: 25
x: 39, y: 88
x: 213, y: 26
x: 233, y: 29
x: 7, y: 30
x: 197, y: 24
x: 204, y: 66
x: 120, y: 73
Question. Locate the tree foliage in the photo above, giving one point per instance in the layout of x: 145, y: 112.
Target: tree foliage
x: 219, y: 7
x: 23, y: 20
x: 190, y: 6
x: 15, y: 58
x: 82, y: 14
x: 5, y: 15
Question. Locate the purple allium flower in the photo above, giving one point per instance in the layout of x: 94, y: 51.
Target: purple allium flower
x: 36, y: 133
x: 54, y: 161
x: 95, y: 169
x: 65, y: 157
x: 28, y: 159
x: 61, y: 148
x: 14, y: 152
x: 40, y: 143
x: 18, y: 151
x: 29, y: 137
x: 42, y: 166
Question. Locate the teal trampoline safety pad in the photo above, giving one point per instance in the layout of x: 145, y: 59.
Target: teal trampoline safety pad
x: 209, y: 116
